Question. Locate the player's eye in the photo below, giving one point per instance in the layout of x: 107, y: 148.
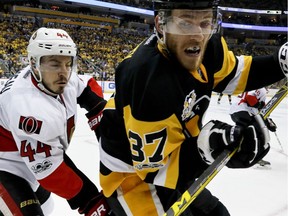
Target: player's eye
x: 206, y: 24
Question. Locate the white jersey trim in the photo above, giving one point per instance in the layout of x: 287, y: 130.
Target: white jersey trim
x: 230, y: 88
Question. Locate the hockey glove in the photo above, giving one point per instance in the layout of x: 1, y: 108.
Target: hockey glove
x: 260, y: 105
x: 216, y: 136
x: 283, y: 58
x: 270, y: 124
x: 96, y: 207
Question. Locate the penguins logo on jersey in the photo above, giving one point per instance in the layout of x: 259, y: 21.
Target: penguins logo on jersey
x: 188, y: 106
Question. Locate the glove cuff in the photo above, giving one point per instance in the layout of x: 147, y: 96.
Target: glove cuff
x: 203, y: 143
x: 94, y: 116
x: 96, y: 206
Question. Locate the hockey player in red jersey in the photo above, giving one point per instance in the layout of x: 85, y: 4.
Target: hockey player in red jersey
x: 37, y: 119
x: 153, y: 143
x: 246, y: 106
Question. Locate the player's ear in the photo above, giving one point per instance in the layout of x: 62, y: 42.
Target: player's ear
x: 158, y: 24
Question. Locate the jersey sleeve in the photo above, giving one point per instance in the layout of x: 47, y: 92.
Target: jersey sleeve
x: 91, y: 98
x: 236, y: 74
x: 255, y: 97
x: 261, y: 94
x: 90, y: 93
x: 251, y: 99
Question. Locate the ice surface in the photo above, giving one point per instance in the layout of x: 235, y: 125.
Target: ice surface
x: 245, y: 192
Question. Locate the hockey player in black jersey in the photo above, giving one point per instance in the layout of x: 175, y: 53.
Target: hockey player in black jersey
x: 153, y: 143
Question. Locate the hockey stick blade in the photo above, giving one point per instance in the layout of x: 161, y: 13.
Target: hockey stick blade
x: 205, y: 178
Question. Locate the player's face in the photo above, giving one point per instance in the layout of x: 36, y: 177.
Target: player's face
x: 187, y: 33
x: 56, y: 71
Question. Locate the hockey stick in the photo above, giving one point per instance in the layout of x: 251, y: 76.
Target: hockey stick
x: 279, y: 141
x: 197, y: 187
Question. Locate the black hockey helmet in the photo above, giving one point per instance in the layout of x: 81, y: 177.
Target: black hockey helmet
x: 181, y: 4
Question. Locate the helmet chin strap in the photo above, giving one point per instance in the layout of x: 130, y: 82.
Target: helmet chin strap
x: 41, y: 86
x: 35, y: 65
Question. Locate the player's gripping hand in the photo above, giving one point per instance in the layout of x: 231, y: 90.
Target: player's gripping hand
x: 96, y: 207
x: 216, y: 136
x: 259, y: 105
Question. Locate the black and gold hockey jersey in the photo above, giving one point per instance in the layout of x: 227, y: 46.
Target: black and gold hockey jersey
x: 150, y: 127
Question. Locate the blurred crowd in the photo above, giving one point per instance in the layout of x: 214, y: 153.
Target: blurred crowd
x: 259, y: 4
x: 99, y: 50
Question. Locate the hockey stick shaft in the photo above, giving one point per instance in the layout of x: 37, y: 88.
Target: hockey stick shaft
x: 198, y: 186
x: 278, y: 141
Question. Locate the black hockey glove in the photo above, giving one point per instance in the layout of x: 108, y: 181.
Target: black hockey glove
x: 97, y: 206
x: 260, y: 105
x: 270, y: 124
x: 216, y: 136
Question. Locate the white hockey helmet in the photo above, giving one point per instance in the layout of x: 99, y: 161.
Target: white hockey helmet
x: 49, y: 41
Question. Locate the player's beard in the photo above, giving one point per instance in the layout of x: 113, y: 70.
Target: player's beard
x: 60, y: 90
x: 178, y: 45
x: 193, y: 64
x: 189, y: 63
x: 56, y: 87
